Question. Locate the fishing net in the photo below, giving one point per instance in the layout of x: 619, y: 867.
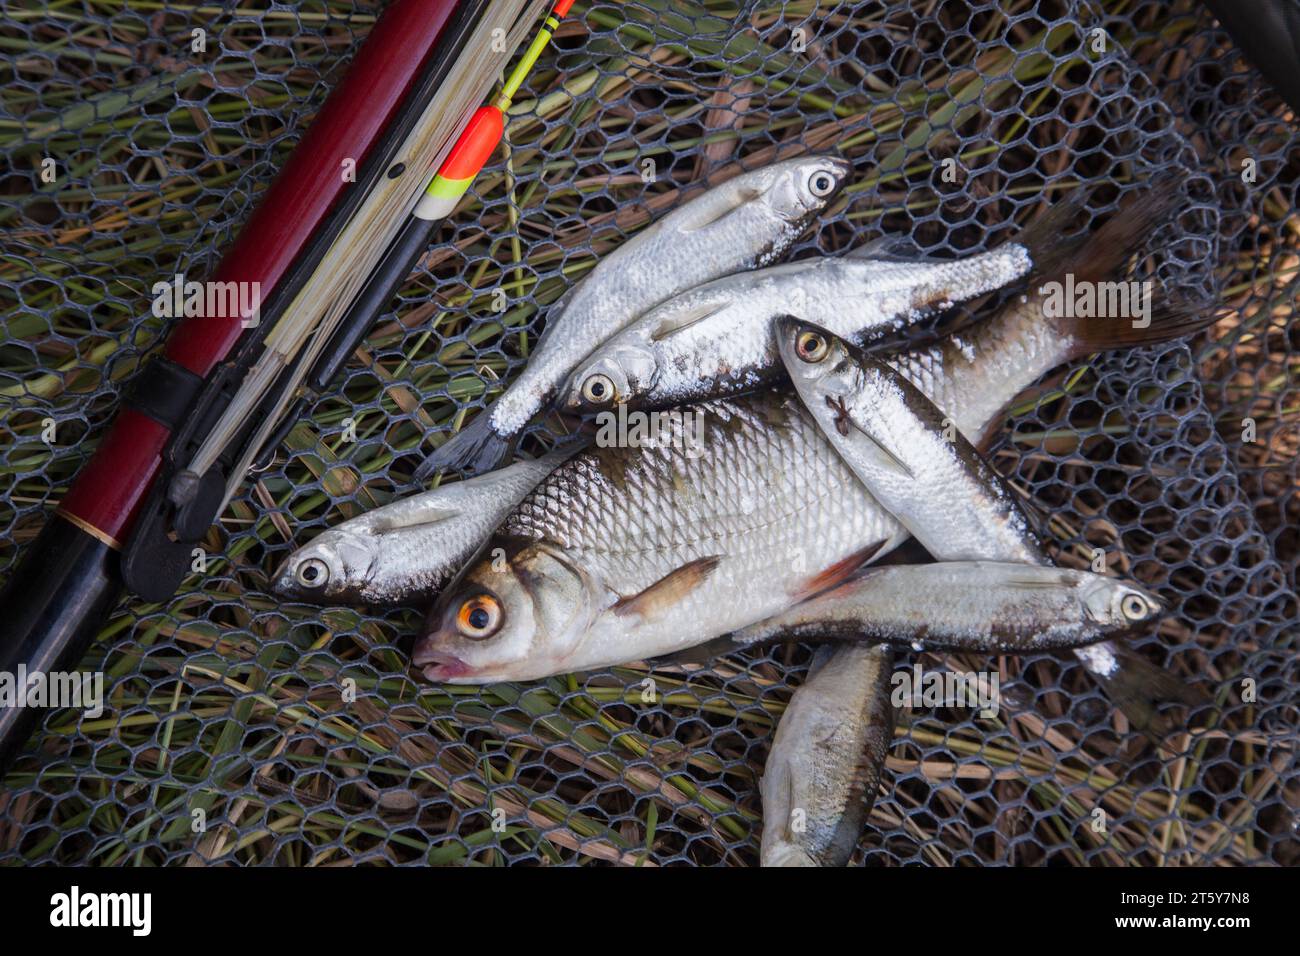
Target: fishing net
x: 243, y: 729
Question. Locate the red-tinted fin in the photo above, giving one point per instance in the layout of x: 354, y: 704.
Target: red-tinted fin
x: 1172, y: 319
x: 669, y: 590
x: 837, y: 573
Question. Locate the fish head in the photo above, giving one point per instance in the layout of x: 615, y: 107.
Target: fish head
x: 615, y: 375
x: 1119, y: 603
x: 765, y: 209
x: 335, y: 564
x: 516, y: 613
x: 798, y: 189
x: 816, y: 360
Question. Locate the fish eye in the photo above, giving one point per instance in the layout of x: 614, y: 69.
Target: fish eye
x: 479, y: 617
x: 598, y: 389
x: 821, y: 184
x: 811, y: 347
x: 1134, y: 607
x: 313, y: 573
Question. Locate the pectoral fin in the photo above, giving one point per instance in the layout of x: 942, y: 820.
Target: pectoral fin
x: 684, y: 320
x: 744, y: 197
x: 892, y: 460
x: 891, y: 249
x: 837, y: 573
x: 669, y: 590
x: 426, y: 516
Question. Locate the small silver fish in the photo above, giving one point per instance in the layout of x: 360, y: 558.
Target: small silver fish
x: 824, y: 767
x: 405, y: 551
x: 906, y: 451
x: 717, y: 339
x: 919, y: 466
x: 746, y: 222
x: 979, y: 606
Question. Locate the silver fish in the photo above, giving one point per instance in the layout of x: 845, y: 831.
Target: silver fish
x: 405, y: 551
x: 982, y: 606
x: 623, y: 554
x: 746, y: 222
x: 907, y: 452
x: 824, y: 767
x: 917, y: 463
x: 717, y: 339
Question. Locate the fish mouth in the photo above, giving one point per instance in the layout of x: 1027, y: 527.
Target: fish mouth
x: 437, y: 666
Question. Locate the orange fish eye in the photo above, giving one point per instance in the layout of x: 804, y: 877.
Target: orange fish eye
x: 479, y: 617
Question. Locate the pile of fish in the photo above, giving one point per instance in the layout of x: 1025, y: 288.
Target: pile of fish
x: 811, y: 430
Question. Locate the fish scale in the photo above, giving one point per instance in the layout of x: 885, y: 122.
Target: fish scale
x: 623, y: 576
x: 621, y: 520
x: 793, y: 478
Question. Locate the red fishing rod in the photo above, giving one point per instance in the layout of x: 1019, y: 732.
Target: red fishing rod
x: 68, y: 578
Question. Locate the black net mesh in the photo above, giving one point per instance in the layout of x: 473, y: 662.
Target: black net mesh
x: 1177, y: 461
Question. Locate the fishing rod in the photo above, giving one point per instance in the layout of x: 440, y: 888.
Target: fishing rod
x: 213, y: 457
x: 69, y: 577
x: 212, y: 452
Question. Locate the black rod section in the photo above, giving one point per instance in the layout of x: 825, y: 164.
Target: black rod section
x: 51, y: 608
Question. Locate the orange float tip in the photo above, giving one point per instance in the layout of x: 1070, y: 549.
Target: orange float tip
x: 475, y: 146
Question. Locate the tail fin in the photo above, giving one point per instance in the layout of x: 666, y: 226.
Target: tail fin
x: 1052, y: 248
x: 1174, y: 318
x: 1138, y: 687
x: 476, y: 448
x: 1074, y: 263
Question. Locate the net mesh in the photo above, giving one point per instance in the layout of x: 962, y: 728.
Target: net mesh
x: 243, y: 729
